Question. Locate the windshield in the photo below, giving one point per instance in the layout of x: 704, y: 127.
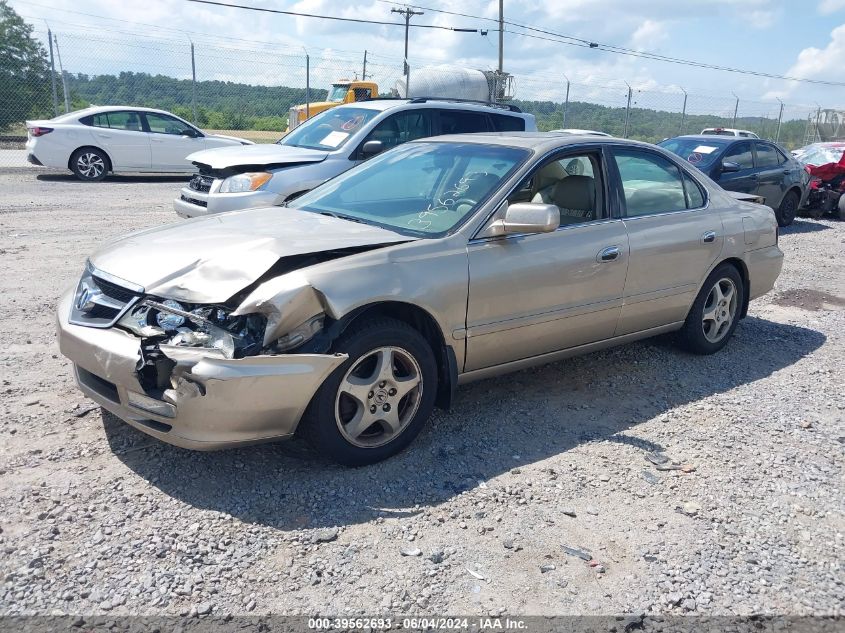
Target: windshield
x: 337, y: 92
x: 424, y: 189
x: 700, y: 153
x: 330, y: 129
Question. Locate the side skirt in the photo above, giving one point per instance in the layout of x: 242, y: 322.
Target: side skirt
x: 551, y: 357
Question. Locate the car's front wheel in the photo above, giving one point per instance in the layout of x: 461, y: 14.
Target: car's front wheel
x: 715, y: 312
x: 89, y: 164
x: 376, y: 402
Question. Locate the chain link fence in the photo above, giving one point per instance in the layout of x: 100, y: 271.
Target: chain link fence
x: 248, y: 88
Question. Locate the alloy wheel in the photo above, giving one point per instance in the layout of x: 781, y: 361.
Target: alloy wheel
x: 719, y: 310
x: 90, y: 165
x: 378, y: 397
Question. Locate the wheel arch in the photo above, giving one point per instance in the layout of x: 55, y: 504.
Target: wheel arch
x: 422, y: 321
x: 109, y: 167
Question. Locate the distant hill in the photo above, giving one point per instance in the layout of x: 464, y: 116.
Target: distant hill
x: 227, y: 105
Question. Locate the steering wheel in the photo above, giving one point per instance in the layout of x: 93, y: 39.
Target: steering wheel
x: 468, y: 201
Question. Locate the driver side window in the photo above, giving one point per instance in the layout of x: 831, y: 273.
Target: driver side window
x: 401, y: 128
x: 572, y: 183
x: 161, y: 124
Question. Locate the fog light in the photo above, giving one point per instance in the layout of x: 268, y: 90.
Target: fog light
x: 150, y: 405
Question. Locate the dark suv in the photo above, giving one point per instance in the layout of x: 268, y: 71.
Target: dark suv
x: 749, y: 166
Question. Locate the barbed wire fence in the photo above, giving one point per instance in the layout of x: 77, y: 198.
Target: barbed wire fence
x: 248, y: 87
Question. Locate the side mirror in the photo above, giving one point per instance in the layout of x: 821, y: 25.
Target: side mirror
x: 371, y: 148
x: 190, y: 133
x: 729, y: 167
x: 525, y: 217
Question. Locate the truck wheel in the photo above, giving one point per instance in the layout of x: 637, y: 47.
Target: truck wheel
x: 378, y: 401
x: 788, y: 208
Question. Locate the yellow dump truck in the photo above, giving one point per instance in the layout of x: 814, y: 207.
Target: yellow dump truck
x: 341, y: 91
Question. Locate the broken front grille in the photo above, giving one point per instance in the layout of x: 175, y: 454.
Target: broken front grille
x: 201, y: 183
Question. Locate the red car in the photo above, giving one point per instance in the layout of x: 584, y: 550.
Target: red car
x: 825, y: 162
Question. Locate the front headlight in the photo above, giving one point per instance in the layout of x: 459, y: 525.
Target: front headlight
x: 249, y: 181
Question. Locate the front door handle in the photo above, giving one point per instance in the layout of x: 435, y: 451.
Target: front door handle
x: 709, y: 237
x: 608, y: 254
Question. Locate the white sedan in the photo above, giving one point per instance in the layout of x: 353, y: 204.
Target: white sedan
x: 95, y: 141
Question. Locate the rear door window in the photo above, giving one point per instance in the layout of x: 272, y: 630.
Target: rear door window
x: 741, y: 155
x: 117, y: 121
x: 505, y: 123
x: 463, y: 122
x: 767, y: 155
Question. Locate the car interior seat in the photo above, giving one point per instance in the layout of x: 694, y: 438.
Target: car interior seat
x: 574, y: 196
x: 132, y: 123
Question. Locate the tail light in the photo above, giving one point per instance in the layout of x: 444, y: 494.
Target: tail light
x: 40, y: 131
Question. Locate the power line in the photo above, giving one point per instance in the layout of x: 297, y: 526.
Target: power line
x: 619, y: 50
x: 332, y: 17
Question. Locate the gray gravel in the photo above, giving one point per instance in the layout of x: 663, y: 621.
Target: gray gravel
x: 535, y: 495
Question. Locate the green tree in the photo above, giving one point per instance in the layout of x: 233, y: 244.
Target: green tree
x: 24, y: 71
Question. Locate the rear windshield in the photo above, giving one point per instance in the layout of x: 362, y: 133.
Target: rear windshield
x: 330, y: 129
x: 700, y: 153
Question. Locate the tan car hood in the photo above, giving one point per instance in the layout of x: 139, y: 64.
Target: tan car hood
x: 209, y: 259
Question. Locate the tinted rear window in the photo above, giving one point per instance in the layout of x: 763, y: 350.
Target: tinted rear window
x: 463, y: 122
x: 505, y: 123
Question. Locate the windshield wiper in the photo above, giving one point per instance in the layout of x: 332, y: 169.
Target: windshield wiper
x: 342, y: 217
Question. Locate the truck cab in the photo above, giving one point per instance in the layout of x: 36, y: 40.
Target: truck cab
x: 341, y: 91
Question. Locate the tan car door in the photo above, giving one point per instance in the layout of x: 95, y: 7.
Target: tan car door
x: 534, y: 294
x: 673, y: 237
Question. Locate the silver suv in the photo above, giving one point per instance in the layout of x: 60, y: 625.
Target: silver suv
x: 327, y: 145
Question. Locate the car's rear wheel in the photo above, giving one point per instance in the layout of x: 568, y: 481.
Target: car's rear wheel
x: 376, y: 402
x: 89, y: 164
x: 715, y: 312
x: 788, y: 208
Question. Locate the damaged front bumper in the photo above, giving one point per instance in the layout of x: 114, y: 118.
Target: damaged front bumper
x: 214, y: 403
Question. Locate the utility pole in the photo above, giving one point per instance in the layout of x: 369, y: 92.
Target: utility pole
x: 193, y: 84
x: 62, y: 71
x: 780, y: 120
x: 501, y: 35
x: 364, y: 71
x: 53, y: 74
x: 408, y: 13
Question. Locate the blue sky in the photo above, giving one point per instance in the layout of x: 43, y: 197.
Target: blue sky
x: 792, y: 37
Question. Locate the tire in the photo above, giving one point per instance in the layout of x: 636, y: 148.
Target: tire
x: 365, y: 411
x: 703, y: 335
x: 89, y: 164
x: 841, y: 207
x: 788, y: 209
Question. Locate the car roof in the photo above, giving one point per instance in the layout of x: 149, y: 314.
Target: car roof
x: 716, y: 137
x: 539, y: 141
x: 100, y: 109
x: 388, y: 104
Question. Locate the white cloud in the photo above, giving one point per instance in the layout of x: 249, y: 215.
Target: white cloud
x: 830, y: 6
x: 819, y: 63
x: 648, y: 35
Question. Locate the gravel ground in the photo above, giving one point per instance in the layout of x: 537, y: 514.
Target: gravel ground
x: 495, y: 507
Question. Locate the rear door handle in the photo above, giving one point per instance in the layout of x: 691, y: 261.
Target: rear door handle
x: 709, y: 237
x: 608, y: 254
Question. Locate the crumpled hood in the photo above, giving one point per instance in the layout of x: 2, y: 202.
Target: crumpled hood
x: 257, y: 154
x: 209, y: 259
